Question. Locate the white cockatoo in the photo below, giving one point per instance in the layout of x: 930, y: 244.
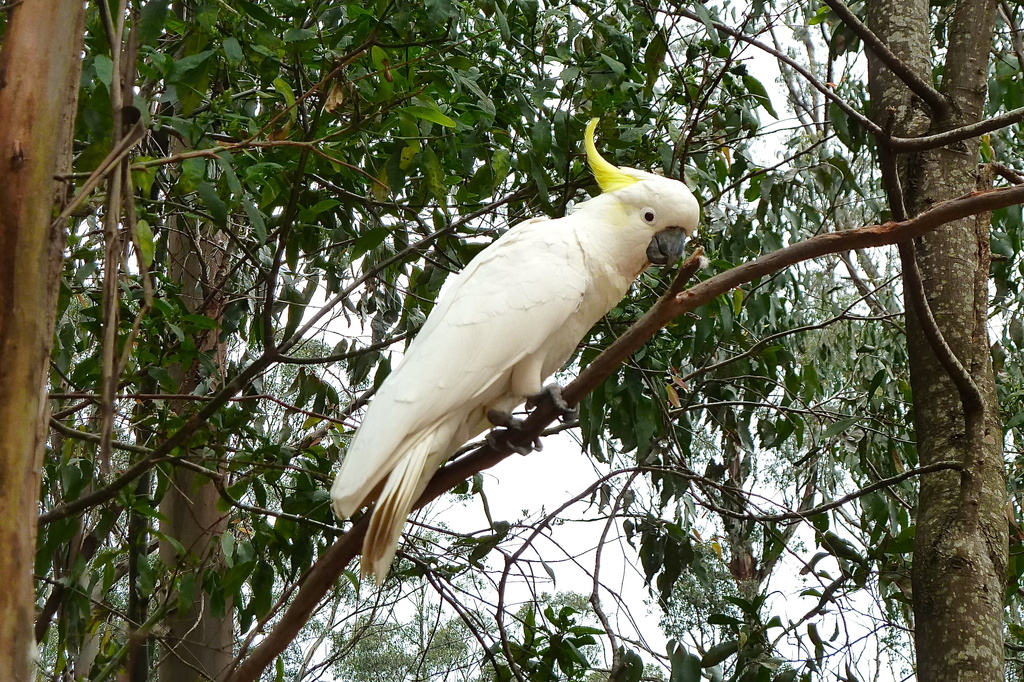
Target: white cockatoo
x: 508, y: 321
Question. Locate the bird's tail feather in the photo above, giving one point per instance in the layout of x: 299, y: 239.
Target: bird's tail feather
x: 403, y: 487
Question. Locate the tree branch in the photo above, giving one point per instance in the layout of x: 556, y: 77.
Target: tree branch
x: 173, y: 441
x: 935, y: 100
x: 828, y: 92
x: 947, y: 137
x: 319, y: 578
x: 899, y: 144
x: 970, y: 394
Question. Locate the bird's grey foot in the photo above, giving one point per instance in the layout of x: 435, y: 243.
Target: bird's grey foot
x: 565, y: 413
x: 511, y: 427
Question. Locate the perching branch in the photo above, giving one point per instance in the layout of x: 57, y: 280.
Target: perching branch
x: 320, y: 577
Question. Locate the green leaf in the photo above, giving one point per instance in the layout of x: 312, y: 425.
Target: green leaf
x: 633, y: 665
x: 259, y: 225
x: 186, y: 590
x: 540, y: 138
x: 262, y: 583
x: 438, y: 11
x: 433, y: 172
x: 615, y: 65
x: 756, y: 88
x: 232, y: 51
x: 654, y: 58
x: 685, y: 666
x: 186, y: 64
x: 719, y: 653
x: 294, y: 34
x: 369, y: 240
x: 428, y: 114
x: 285, y: 90
x: 214, y: 204
x: 820, y: 16
x: 143, y: 178
x: 839, y: 427
x: 705, y: 18
x: 501, y: 164
x: 152, y: 18
x: 147, y: 249
x: 254, y: 11
x: 104, y: 69
x: 379, y: 57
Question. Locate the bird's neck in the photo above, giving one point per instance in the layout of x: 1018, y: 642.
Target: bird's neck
x: 610, y: 236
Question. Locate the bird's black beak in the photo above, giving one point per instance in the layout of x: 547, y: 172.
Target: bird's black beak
x: 666, y: 247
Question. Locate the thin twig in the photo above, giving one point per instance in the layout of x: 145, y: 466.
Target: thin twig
x: 221, y: 486
x: 1006, y: 11
x: 112, y: 240
x: 179, y: 437
x: 899, y: 144
x: 62, y: 428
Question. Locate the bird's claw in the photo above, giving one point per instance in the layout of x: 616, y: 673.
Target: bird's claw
x: 554, y: 391
x: 501, y: 439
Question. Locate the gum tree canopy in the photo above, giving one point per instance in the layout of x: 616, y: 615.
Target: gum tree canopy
x: 222, y: 222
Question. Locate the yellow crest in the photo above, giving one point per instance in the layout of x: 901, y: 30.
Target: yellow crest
x: 609, y: 177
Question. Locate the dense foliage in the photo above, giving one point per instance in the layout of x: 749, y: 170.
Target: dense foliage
x: 312, y: 172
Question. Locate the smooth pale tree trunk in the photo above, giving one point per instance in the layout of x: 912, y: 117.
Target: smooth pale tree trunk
x: 40, y: 62
x: 960, y: 551
x: 199, y: 642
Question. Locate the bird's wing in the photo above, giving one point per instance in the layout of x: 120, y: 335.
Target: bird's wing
x: 504, y: 306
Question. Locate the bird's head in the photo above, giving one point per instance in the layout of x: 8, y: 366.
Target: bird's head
x: 662, y: 207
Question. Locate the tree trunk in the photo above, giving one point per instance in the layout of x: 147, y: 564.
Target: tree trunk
x: 960, y: 550
x: 39, y: 70
x: 200, y: 643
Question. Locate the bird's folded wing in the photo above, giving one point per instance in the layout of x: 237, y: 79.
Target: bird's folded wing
x: 503, y: 307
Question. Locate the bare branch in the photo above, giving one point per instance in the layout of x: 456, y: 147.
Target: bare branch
x: 1007, y: 173
x: 970, y: 394
x: 1006, y: 12
x: 176, y: 439
x: 947, y: 137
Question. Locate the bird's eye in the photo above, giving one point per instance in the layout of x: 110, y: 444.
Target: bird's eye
x: 649, y: 215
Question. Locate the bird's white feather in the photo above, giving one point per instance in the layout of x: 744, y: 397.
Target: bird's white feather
x: 506, y: 323
x: 499, y: 310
